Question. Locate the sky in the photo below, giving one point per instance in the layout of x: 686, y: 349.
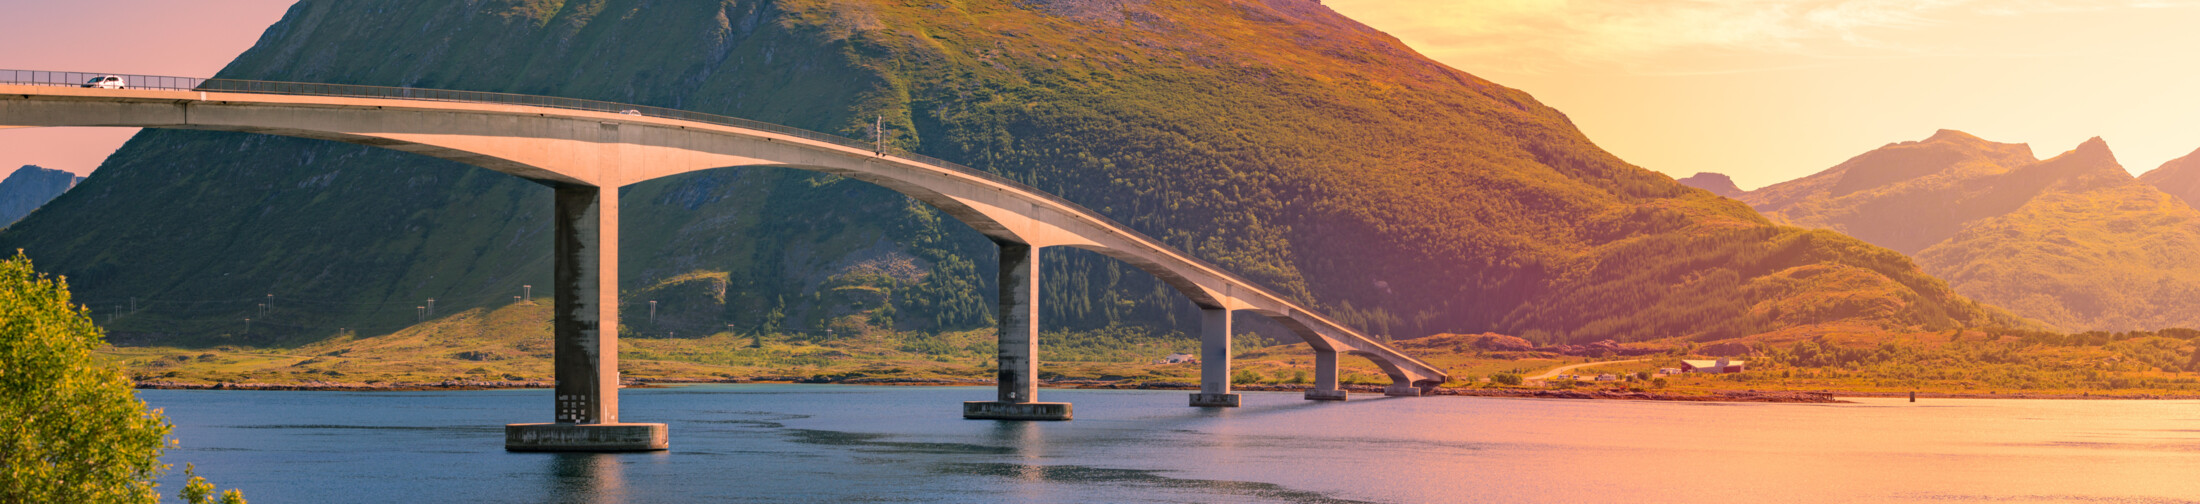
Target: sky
x: 1771, y: 90
x: 1762, y: 90
x: 143, y: 37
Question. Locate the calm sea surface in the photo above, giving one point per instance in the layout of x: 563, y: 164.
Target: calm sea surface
x: 826, y: 443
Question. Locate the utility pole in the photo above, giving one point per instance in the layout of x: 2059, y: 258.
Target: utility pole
x: 653, y: 313
x: 420, y: 314
x: 270, y: 305
x: 431, y: 307
x: 878, y: 135
x: 248, y: 325
x: 133, y: 304
x: 528, y: 292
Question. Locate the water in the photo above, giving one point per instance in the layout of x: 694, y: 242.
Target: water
x: 826, y: 443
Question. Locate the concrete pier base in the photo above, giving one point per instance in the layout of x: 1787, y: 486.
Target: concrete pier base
x: 1327, y: 395
x: 1402, y: 390
x: 568, y: 437
x: 1215, y: 400
x: 996, y: 410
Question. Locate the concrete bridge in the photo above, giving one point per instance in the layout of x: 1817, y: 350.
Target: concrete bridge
x: 585, y: 150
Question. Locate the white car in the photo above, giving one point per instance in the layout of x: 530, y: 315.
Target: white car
x: 105, y: 82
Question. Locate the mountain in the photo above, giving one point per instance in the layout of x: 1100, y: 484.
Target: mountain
x: 2073, y: 241
x: 2179, y: 177
x: 1717, y: 183
x: 29, y: 187
x: 1275, y: 138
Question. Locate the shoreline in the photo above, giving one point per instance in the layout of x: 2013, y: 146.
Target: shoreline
x: 1760, y: 396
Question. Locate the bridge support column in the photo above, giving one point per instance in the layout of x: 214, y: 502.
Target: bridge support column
x: 1214, y: 360
x: 586, y: 328
x: 1019, y: 339
x: 1325, y: 377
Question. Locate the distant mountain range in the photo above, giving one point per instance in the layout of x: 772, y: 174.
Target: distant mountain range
x: 1275, y: 138
x: 2073, y: 241
x: 1717, y: 183
x: 2179, y: 177
x: 30, y: 187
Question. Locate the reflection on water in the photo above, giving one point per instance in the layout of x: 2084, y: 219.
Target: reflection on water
x: 596, y: 478
x: 822, y: 443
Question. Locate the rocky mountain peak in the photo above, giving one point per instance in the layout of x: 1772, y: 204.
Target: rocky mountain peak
x: 1717, y: 183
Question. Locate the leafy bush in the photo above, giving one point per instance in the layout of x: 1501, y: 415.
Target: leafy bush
x: 76, y: 431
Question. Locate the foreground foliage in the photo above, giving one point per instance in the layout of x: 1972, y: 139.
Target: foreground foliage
x: 75, y: 431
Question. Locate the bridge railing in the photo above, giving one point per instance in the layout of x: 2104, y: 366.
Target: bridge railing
x: 75, y: 79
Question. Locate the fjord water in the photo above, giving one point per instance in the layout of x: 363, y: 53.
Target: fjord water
x: 826, y: 443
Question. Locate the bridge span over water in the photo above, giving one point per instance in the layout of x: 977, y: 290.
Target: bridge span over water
x: 585, y: 150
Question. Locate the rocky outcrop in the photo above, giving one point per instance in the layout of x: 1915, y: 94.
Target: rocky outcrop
x: 1717, y: 183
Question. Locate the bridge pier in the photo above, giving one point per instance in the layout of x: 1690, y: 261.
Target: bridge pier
x: 1214, y: 360
x: 586, y: 328
x: 1018, y: 378
x: 1325, y: 377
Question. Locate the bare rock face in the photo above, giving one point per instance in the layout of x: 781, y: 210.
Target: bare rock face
x: 1717, y: 183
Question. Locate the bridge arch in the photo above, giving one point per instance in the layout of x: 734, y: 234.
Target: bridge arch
x: 586, y: 154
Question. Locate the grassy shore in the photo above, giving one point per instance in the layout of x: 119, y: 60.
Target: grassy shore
x: 510, y: 347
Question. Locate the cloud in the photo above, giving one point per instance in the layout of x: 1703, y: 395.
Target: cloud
x: 1635, y: 35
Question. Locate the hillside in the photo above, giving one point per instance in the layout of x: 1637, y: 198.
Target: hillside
x: 2073, y: 241
x: 30, y: 187
x: 1717, y: 183
x: 2179, y: 177
x: 1275, y: 138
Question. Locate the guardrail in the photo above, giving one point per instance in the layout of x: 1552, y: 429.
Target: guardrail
x: 79, y: 79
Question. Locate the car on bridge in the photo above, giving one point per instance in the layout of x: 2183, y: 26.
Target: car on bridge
x: 105, y: 82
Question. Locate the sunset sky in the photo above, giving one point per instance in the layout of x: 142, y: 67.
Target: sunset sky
x: 1765, y: 91
x: 1771, y: 90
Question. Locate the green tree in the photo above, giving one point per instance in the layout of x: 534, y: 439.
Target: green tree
x: 197, y: 491
x: 75, y: 431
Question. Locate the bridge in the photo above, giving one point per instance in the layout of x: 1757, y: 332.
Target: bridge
x: 585, y: 150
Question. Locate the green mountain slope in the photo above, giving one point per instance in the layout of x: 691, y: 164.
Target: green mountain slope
x: 1275, y: 138
x: 2073, y: 241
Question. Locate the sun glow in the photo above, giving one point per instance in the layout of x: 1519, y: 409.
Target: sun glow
x: 1768, y: 91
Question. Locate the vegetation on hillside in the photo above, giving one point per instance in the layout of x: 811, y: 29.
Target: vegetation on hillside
x: 2179, y: 177
x: 1275, y: 138
x: 2071, y: 241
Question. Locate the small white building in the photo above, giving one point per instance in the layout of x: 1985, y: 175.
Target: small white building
x: 1607, y: 377
x: 1178, y: 358
x: 1718, y: 366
